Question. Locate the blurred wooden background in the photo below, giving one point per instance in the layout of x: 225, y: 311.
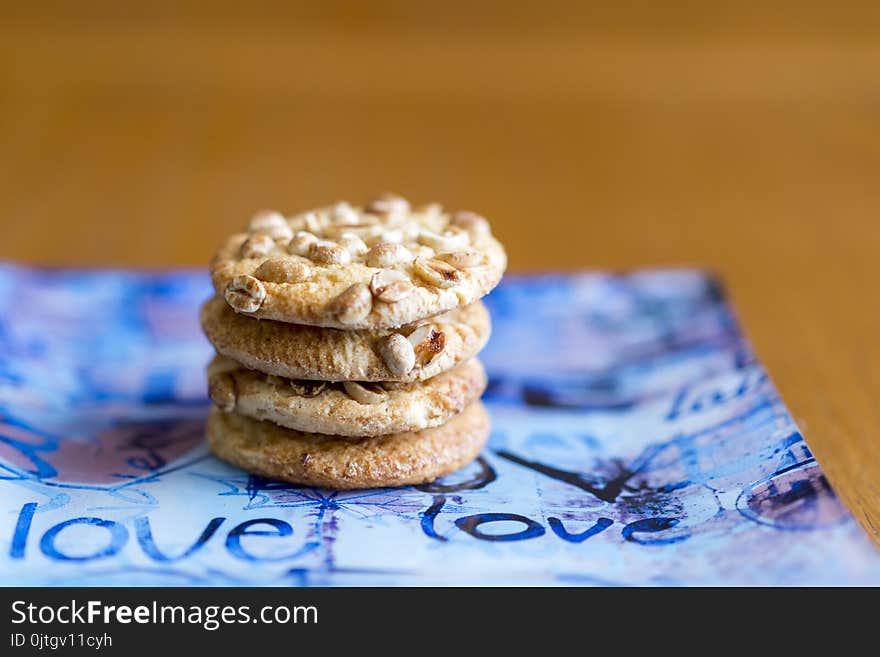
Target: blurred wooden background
x: 742, y: 138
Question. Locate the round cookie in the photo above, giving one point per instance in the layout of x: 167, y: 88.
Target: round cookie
x: 345, y: 408
x: 380, y: 266
x: 266, y: 449
x: 292, y: 351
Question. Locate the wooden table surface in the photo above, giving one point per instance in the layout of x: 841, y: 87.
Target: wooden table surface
x: 746, y: 140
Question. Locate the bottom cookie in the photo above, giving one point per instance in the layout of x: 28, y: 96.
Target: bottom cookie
x: 324, y: 461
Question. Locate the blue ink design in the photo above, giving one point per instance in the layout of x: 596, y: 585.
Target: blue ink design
x: 118, y: 539
x: 471, y: 525
x: 233, y: 539
x: 22, y: 528
x: 429, y: 515
x: 651, y: 526
x: 145, y: 538
x: 558, y: 528
x: 638, y: 403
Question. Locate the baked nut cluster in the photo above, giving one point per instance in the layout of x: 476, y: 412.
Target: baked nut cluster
x: 352, y: 323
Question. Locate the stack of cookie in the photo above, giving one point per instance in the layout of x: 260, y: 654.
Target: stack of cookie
x: 346, y: 341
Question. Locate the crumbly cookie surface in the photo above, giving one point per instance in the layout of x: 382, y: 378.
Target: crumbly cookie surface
x: 412, y: 353
x: 379, y: 266
x: 266, y: 449
x: 355, y: 409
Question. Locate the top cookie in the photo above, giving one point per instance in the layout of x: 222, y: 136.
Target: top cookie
x: 380, y: 266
